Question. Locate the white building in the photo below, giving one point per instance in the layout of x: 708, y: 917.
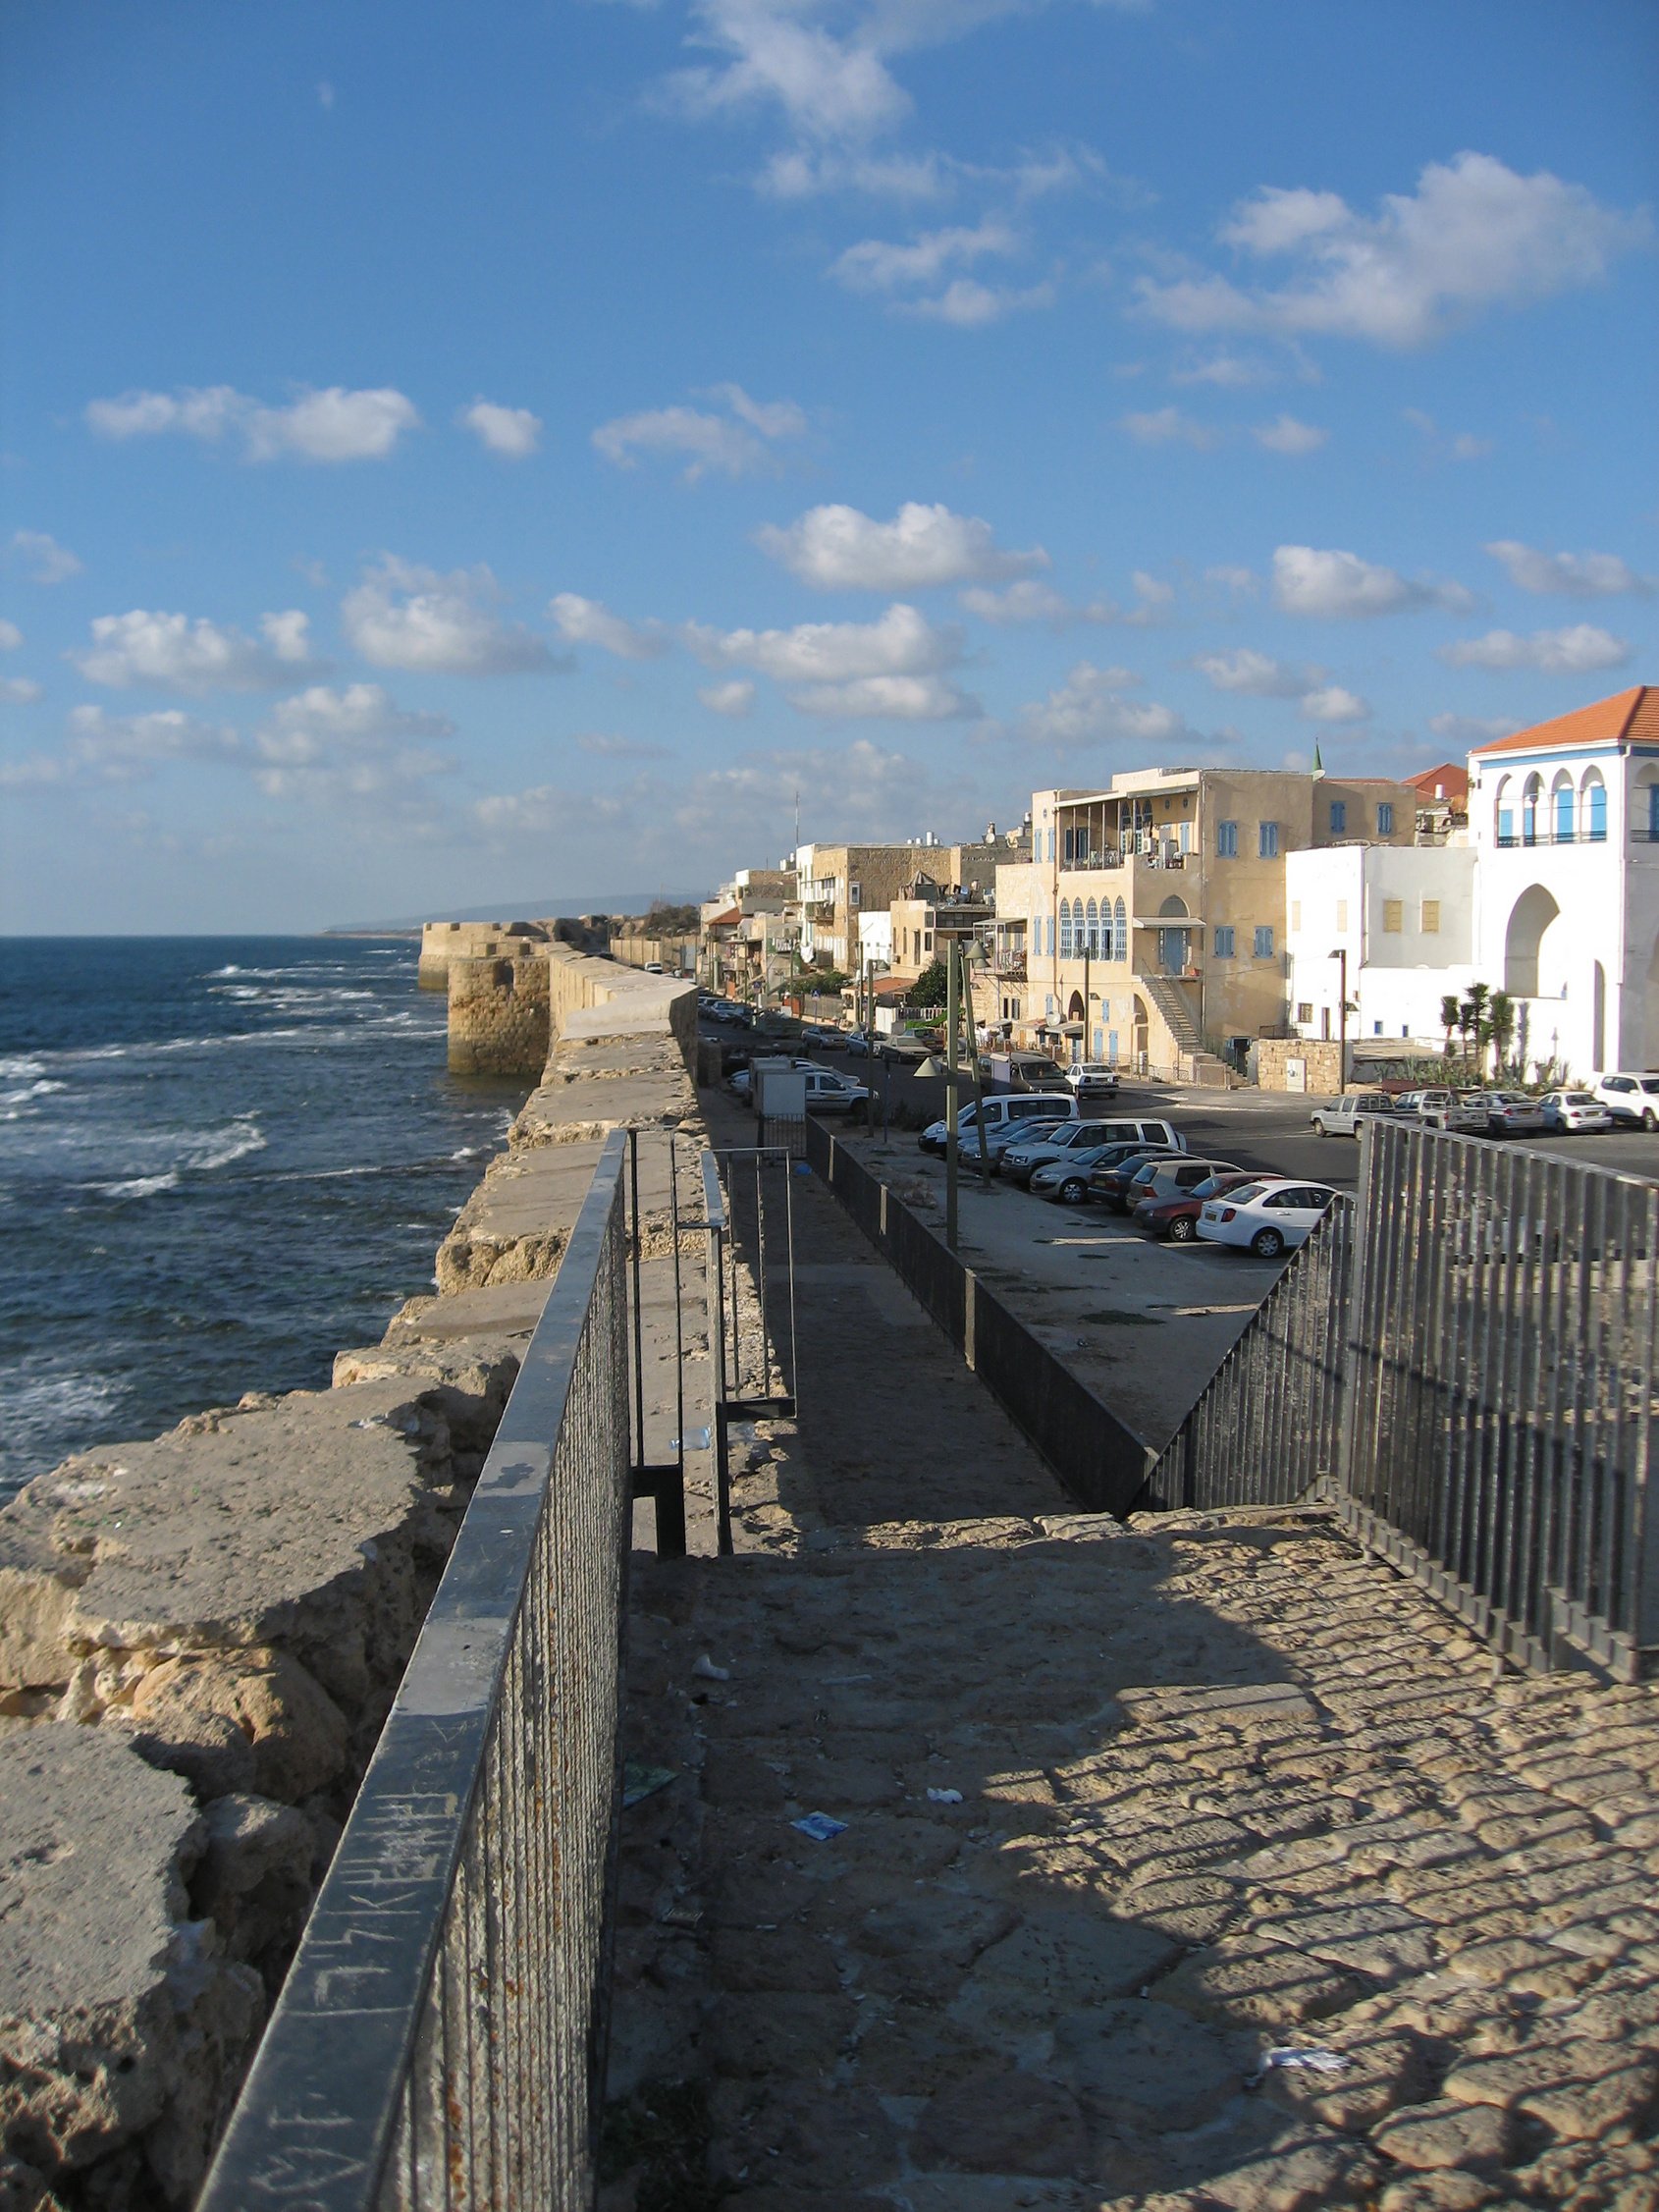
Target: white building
x: 876, y: 940
x: 1565, y: 824
x: 1397, y: 921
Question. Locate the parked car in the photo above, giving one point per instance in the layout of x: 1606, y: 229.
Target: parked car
x: 857, y: 1045
x: 1509, y: 1114
x: 822, y: 1040
x: 1444, y: 1110
x: 1160, y: 1168
x: 831, y: 1093
x: 1574, y: 1112
x: 1032, y: 1071
x: 1022, y: 1159
x: 1070, y: 1177
x: 1265, y: 1218
x: 740, y: 1083
x: 1111, y: 1185
x: 1010, y: 1106
x: 998, y: 1137
x: 1346, y: 1116
x: 1174, y: 1213
x: 1092, y: 1079
x: 1631, y: 1096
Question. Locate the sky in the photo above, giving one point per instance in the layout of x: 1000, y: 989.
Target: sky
x: 525, y: 452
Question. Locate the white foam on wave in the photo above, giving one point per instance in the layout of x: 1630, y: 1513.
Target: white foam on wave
x: 41, y: 1090
x: 138, y: 1186
x: 219, y: 1148
x: 19, y: 1065
x: 39, y: 1409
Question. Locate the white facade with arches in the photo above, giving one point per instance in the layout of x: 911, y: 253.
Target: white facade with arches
x: 1564, y: 818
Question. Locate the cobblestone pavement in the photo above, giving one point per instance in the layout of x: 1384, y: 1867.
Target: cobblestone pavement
x: 1127, y: 1811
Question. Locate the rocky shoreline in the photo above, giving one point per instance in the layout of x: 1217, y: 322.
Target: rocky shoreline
x: 200, y: 1636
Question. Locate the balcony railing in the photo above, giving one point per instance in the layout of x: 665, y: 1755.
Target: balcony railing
x: 1151, y: 858
x: 1509, y: 840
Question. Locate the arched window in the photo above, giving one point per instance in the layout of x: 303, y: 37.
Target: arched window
x: 1533, y: 791
x: 1593, y: 807
x: 1505, y: 810
x: 1120, y: 916
x: 1562, y: 810
x: 1093, y: 940
x: 1065, y: 929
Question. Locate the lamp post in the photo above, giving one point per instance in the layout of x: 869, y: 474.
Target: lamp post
x: 1341, y: 954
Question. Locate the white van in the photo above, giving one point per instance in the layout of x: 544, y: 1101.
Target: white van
x: 1000, y: 1113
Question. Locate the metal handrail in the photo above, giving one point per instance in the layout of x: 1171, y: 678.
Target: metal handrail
x: 440, y: 2039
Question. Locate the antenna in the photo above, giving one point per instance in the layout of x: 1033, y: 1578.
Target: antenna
x: 797, y: 818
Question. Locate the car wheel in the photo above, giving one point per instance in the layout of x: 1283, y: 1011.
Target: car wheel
x: 1183, y: 1229
x: 1319, y: 1129
x: 1073, y: 1191
x: 1266, y: 1244
x: 1650, y: 1119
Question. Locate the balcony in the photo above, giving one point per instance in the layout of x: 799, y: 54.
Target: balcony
x: 1011, y: 968
x: 1508, y: 841
x: 1151, y: 855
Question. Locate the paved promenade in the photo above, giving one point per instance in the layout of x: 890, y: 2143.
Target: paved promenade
x: 1126, y: 1812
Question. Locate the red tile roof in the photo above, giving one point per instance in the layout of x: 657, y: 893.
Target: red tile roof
x: 1628, y: 718
x: 1447, y: 781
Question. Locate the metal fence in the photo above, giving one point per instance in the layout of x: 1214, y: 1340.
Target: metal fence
x: 1267, y: 1428
x: 1097, y: 1457
x: 750, y: 1220
x: 440, y: 2039
x: 1500, y: 1381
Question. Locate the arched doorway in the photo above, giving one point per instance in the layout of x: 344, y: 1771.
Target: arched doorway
x: 1138, y: 1038
x: 1530, y: 921
x: 1171, y: 942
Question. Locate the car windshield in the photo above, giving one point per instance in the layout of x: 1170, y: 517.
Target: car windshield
x: 1245, y: 1193
x: 1651, y: 1083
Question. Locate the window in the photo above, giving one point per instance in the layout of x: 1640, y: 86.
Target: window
x: 1385, y: 819
x: 1296, y: 913
x: 1431, y: 917
x: 1339, y: 817
x: 1393, y: 916
x: 1563, y: 814
x: 1120, y: 919
x: 1223, y: 944
x: 1065, y: 929
x: 1595, y: 813
x: 1093, y: 931
x: 1506, y: 824
x: 1226, y: 841
x: 1263, y: 943
x: 1267, y: 840
x: 1652, y: 811
x: 1342, y: 913
x: 927, y: 942
x: 1304, y: 1010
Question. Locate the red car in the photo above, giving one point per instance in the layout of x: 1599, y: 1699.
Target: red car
x: 1175, y: 1214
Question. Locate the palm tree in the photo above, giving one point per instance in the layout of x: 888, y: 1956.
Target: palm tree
x: 1500, y: 1026
x: 1474, y: 1021
x: 1449, y: 1016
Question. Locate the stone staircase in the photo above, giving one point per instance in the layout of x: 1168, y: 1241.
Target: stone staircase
x: 1194, y: 1064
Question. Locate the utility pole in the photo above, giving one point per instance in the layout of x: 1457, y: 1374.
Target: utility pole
x: 950, y: 1156
x: 973, y: 1063
x: 1341, y: 954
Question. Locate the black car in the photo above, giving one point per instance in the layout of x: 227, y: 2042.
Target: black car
x: 1111, y: 1185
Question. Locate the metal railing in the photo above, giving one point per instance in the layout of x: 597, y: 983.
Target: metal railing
x: 751, y: 1301
x: 440, y: 2040
x: 1267, y: 1428
x: 1501, y: 1377
x: 1097, y: 1457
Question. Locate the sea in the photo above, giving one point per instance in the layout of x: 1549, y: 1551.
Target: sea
x: 222, y: 1159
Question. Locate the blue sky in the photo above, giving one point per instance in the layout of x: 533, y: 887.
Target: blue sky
x: 457, y: 456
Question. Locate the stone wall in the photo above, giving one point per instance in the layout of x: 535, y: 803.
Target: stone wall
x: 499, y: 1015
x: 1321, y: 1059
x: 443, y: 941
x: 200, y: 1636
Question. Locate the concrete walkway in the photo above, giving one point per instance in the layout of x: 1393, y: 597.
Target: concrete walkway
x: 1126, y: 1811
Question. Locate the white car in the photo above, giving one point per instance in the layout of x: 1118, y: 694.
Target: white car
x: 1631, y: 1096
x: 1266, y: 1217
x: 1576, y: 1112
x: 1092, y: 1079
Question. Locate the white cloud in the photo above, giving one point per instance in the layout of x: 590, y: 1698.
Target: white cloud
x: 21, y: 691
x: 1330, y: 703
x: 896, y: 698
x: 1577, y: 651
x: 735, y: 698
x: 1089, y: 709
x: 735, y: 444
x: 1331, y: 584
x: 1165, y: 427
x: 607, y: 747
x: 512, y: 432
x: 1465, y: 732
x: 320, y: 723
x: 1243, y: 583
x: 40, y: 557
x: 1228, y: 372
x: 588, y: 621
x: 902, y: 642
x: 330, y: 425
x: 832, y: 90
x: 1287, y: 435
x: 1464, y: 446
x: 10, y: 637
x: 406, y: 617
x: 1575, y: 575
x: 174, y: 654
x: 923, y: 276
x: 120, y: 749
x: 840, y: 548
x: 1258, y: 675
x: 1028, y: 601
x: 1473, y: 235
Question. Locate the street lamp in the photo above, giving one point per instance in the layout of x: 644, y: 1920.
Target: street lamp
x: 1341, y: 953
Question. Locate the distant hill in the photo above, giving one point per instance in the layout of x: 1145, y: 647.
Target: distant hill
x: 526, y: 910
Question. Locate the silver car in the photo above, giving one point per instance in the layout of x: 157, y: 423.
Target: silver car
x: 1509, y: 1114
x: 1574, y: 1112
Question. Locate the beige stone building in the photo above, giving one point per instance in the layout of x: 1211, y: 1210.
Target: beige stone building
x: 836, y: 884
x: 1149, y: 926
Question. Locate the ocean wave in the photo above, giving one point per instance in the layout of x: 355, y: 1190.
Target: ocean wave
x: 136, y: 1186
x: 19, y: 1065
x: 40, y: 1089
x: 235, y: 1142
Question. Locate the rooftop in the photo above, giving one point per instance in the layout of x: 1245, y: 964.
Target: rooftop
x: 1628, y: 718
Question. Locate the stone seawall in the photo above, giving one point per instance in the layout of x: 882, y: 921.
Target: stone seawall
x: 505, y: 1013
x: 200, y: 1636
x: 443, y: 941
